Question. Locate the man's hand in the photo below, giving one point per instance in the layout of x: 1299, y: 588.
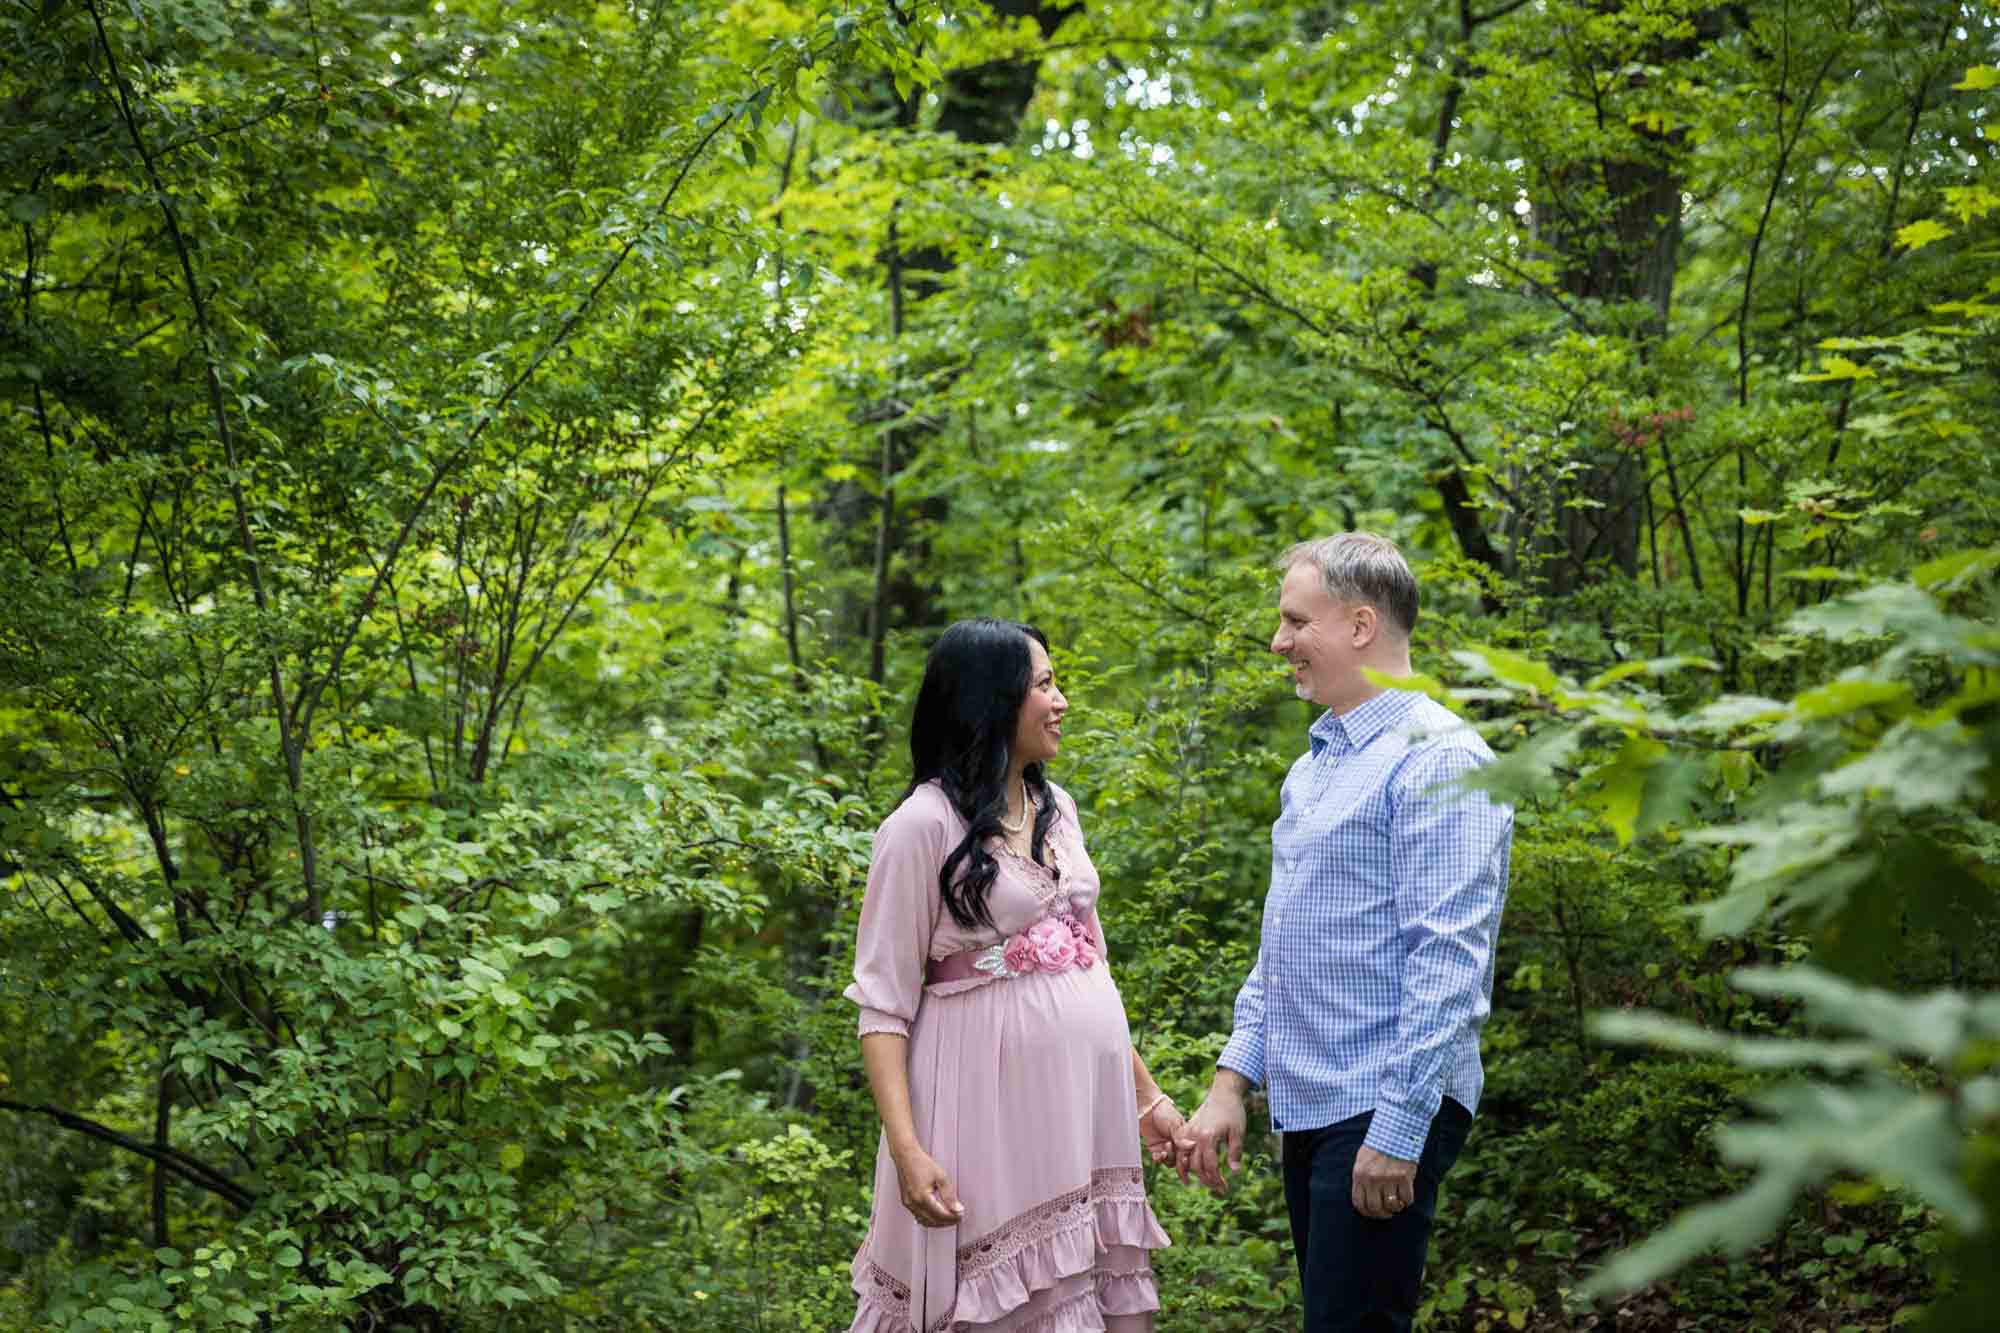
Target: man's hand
x: 1383, y: 1185
x: 1215, y: 1134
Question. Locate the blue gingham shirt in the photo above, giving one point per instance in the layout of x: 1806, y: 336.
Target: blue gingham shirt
x: 1375, y: 967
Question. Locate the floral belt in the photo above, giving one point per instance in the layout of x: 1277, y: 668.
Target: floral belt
x: 1053, y: 944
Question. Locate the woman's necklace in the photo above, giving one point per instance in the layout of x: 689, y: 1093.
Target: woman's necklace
x: 1013, y: 828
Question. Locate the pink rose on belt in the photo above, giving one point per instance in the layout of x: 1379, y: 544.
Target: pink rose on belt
x: 1019, y: 954
x: 1086, y: 948
x: 1051, y: 945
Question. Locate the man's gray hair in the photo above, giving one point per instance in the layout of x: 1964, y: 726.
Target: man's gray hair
x: 1362, y: 567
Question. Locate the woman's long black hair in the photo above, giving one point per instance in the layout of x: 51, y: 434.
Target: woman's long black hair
x: 962, y: 736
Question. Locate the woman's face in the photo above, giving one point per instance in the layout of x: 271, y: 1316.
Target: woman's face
x: 1038, y: 732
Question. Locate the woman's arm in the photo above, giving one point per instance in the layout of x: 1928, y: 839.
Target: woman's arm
x: 1159, y: 1119
x: 927, y: 1190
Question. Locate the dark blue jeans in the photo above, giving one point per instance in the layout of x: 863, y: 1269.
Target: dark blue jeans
x: 1362, y: 1275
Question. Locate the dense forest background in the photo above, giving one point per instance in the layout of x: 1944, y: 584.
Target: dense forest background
x: 477, y: 481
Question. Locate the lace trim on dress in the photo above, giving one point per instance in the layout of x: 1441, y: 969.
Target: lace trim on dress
x: 1113, y: 1184
x: 890, y: 1293
x: 1119, y: 1184
x: 1044, y: 881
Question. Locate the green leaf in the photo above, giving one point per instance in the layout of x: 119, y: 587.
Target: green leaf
x: 1842, y: 697
x: 1978, y: 78
x: 1527, y: 769
x: 1822, y: 574
x: 1642, y: 1028
x: 288, y: 1257
x: 512, y: 1156
x: 1427, y: 685
x: 1619, y: 785
x: 1953, y: 573
x: 1734, y: 1225
x: 1914, y: 768
x: 1885, y: 608
x: 1656, y: 666
x: 1880, y: 1129
x: 1508, y: 668
x: 1734, y: 711
x: 1920, y: 234
x: 1932, y: 1026
x: 1839, y: 367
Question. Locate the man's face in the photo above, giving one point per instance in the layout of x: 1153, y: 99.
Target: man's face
x: 1316, y: 635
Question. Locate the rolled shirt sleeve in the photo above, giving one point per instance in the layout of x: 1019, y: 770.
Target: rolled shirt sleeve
x: 899, y: 914
x: 1448, y: 850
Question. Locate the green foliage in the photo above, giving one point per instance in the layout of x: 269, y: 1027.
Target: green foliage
x: 1857, y: 833
x: 476, y: 484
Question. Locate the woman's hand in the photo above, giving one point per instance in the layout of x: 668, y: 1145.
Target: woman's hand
x: 1158, y: 1129
x: 927, y: 1190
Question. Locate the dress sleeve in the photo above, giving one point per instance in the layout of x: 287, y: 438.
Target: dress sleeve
x: 1096, y: 928
x: 1094, y: 922
x: 899, y: 914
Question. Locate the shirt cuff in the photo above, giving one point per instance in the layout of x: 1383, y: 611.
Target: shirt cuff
x: 1245, y: 1055
x: 1399, y: 1129
x: 877, y: 1020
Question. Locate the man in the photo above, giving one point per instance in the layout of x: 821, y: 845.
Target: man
x: 1374, y: 972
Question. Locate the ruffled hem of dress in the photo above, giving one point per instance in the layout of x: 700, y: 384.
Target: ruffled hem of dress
x: 1127, y: 1293
x: 873, y: 1316
x: 1079, y: 1314
x: 987, y: 1296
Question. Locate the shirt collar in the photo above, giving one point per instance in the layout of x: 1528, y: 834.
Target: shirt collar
x: 1361, y: 724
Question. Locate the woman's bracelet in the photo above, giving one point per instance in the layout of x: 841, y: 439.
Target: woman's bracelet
x: 1148, y: 1109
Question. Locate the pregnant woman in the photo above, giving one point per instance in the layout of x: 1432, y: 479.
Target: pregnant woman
x: 1008, y: 1191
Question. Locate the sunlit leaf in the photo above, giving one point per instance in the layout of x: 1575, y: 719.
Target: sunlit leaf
x: 1950, y: 573
x: 1618, y: 786
x: 1838, y: 368
x: 1917, y: 235
x: 1509, y: 668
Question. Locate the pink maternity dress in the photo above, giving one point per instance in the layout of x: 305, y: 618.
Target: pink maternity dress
x: 1022, y: 1091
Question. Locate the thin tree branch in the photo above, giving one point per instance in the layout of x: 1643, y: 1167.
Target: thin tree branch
x: 190, y: 1169
x: 288, y: 743
x: 450, y: 464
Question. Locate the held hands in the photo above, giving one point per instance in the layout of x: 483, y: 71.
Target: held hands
x: 1158, y: 1129
x: 927, y: 1190
x: 1213, y: 1136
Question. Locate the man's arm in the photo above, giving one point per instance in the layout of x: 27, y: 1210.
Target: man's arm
x: 1244, y: 1052
x: 1216, y: 1131
x: 1448, y: 854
